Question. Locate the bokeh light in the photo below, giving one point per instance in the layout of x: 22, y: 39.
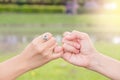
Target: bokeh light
x: 110, y: 6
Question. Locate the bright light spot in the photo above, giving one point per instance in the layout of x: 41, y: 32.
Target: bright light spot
x: 116, y: 40
x: 110, y: 6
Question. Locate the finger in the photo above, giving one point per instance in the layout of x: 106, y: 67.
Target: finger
x: 66, y: 56
x: 70, y: 37
x: 66, y: 33
x: 40, y: 40
x: 58, y: 49
x: 53, y: 47
x: 80, y: 35
x: 59, y: 52
x: 69, y: 48
x: 58, y: 55
x: 48, y: 44
x: 48, y: 52
x: 72, y: 43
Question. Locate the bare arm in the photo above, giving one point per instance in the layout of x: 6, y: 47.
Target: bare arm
x: 106, y: 66
x: 36, y: 54
x: 12, y: 68
x: 88, y: 57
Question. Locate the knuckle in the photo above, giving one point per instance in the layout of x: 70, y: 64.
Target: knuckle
x: 38, y: 38
x: 66, y: 33
x: 34, y: 41
x: 74, y: 31
x: 86, y: 35
x: 73, y: 49
x: 49, y: 34
x: 74, y: 44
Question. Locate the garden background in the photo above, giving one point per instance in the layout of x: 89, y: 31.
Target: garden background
x: 23, y: 20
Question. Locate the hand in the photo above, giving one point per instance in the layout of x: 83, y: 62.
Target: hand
x: 78, y: 48
x: 41, y: 51
x: 37, y: 53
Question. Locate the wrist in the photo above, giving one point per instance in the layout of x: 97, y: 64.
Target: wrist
x: 98, y: 62
x: 105, y: 65
x: 95, y: 60
x: 23, y: 63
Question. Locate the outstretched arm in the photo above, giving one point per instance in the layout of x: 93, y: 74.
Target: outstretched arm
x: 12, y: 68
x: 36, y: 54
x: 88, y: 57
x: 105, y: 65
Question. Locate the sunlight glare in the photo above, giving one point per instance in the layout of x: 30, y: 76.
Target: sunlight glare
x: 110, y: 6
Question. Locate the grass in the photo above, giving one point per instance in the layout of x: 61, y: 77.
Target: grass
x: 32, y: 24
x: 61, y: 70
x: 17, y: 18
x: 35, y: 19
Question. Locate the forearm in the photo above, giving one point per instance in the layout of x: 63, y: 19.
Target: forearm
x: 13, y: 68
x: 106, y: 66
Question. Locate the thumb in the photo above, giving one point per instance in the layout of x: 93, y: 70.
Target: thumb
x: 58, y: 51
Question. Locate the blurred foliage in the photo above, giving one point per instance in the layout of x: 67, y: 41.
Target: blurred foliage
x: 47, y: 1
x: 41, y: 9
x: 32, y: 9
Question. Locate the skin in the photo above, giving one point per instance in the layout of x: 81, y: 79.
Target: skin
x: 36, y: 54
x: 88, y: 57
x: 77, y: 49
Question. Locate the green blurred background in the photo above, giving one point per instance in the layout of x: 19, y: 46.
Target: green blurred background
x: 23, y: 20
